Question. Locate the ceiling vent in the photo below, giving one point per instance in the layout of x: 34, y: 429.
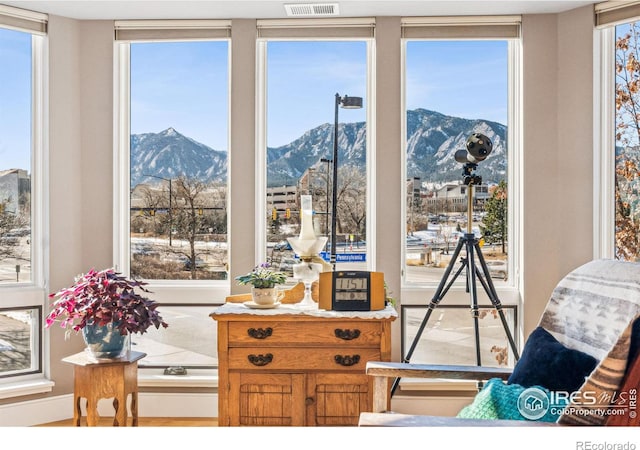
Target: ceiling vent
x: 311, y: 9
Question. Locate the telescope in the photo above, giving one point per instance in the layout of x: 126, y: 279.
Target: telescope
x: 478, y: 147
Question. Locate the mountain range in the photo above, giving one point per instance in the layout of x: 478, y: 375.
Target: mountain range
x: 432, y: 140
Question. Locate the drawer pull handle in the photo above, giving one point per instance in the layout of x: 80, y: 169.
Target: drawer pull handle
x: 260, y: 360
x: 260, y: 333
x: 347, y: 335
x: 347, y: 360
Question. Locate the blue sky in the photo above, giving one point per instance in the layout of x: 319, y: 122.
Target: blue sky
x: 184, y: 85
x: 15, y: 99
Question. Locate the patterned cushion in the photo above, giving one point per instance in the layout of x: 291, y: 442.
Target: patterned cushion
x: 592, y: 310
x: 546, y: 362
x: 498, y: 400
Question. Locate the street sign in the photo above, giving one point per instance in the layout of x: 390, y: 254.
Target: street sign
x: 345, y: 257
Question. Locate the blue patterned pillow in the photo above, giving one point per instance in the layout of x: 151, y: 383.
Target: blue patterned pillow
x: 498, y: 400
x: 548, y: 363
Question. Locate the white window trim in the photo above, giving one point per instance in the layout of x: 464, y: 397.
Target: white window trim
x: 261, y: 143
x: 165, y: 291
x: 509, y: 293
x: 34, y: 292
x: 604, y: 143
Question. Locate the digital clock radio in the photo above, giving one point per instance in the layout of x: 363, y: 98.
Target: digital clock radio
x: 350, y: 290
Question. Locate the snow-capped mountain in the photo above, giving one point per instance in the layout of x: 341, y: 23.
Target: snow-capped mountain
x: 432, y: 139
x: 169, y: 154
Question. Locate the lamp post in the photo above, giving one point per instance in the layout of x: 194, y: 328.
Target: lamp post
x: 345, y: 102
x: 170, y: 204
x: 326, y: 213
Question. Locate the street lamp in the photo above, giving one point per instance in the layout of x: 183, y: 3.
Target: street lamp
x: 170, y: 205
x: 326, y: 213
x: 345, y: 102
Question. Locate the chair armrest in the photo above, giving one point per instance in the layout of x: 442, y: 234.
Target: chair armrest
x: 409, y: 370
x: 383, y: 371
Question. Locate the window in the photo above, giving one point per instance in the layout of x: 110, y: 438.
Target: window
x: 616, y: 181
x: 447, y: 342
x: 15, y: 147
x: 22, y: 203
x: 460, y: 79
x: 172, y: 203
x: 627, y: 142
x: 454, y: 89
x: 306, y: 83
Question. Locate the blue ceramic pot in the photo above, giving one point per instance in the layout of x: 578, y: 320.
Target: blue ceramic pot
x: 105, y: 341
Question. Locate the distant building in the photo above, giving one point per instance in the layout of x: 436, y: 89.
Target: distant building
x: 452, y: 197
x: 282, y: 198
x: 15, y: 191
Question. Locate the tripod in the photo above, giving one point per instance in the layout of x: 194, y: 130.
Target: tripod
x: 472, y: 247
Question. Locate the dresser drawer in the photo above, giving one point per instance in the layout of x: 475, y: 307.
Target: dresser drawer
x: 295, y: 358
x: 332, y: 333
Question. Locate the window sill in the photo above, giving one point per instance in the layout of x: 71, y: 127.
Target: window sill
x: 26, y: 387
x: 194, y: 378
x: 437, y: 385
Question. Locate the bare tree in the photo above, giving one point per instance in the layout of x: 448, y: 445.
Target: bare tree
x: 188, y: 215
x: 9, y: 221
x: 627, y: 101
x: 352, y: 195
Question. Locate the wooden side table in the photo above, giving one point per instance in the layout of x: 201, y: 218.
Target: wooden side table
x: 294, y: 367
x: 104, y: 378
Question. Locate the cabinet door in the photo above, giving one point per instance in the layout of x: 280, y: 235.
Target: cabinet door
x: 338, y: 398
x: 266, y: 399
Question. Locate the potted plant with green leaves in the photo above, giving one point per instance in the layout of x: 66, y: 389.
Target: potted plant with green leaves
x: 264, y: 281
x: 107, y: 308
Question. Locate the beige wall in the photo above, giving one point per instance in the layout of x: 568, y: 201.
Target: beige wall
x: 556, y: 165
x: 389, y: 178
x: 243, y: 145
x: 557, y: 154
x: 66, y: 190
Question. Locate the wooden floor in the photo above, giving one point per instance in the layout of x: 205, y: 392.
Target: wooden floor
x: 148, y: 422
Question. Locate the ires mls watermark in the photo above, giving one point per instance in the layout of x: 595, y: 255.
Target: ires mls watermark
x: 534, y: 403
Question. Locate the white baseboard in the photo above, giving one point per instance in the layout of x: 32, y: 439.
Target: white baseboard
x: 150, y: 404
x: 155, y: 404
x: 36, y: 412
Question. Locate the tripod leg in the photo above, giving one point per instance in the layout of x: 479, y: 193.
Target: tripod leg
x: 443, y: 287
x: 489, y: 287
x: 472, y: 288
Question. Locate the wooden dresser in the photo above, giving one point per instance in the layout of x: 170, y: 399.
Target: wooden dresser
x: 288, y: 366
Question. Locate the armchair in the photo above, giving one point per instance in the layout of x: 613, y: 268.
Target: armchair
x: 586, y: 346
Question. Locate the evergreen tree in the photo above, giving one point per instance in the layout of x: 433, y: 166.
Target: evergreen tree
x: 494, y: 229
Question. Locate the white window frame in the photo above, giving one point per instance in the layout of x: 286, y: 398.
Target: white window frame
x: 261, y: 143
x: 34, y: 293
x: 509, y: 293
x: 165, y: 291
x: 604, y: 142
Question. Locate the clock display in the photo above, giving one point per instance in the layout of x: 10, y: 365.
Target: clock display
x: 352, y: 290
x: 346, y: 295
x: 351, y: 284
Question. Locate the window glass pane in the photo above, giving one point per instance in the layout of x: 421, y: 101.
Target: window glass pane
x: 306, y: 80
x: 19, y: 336
x: 179, y: 129
x: 627, y: 140
x: 455, y: 89
x: 449, y: 337
x: 189, y: 340
x: 15, y: 157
